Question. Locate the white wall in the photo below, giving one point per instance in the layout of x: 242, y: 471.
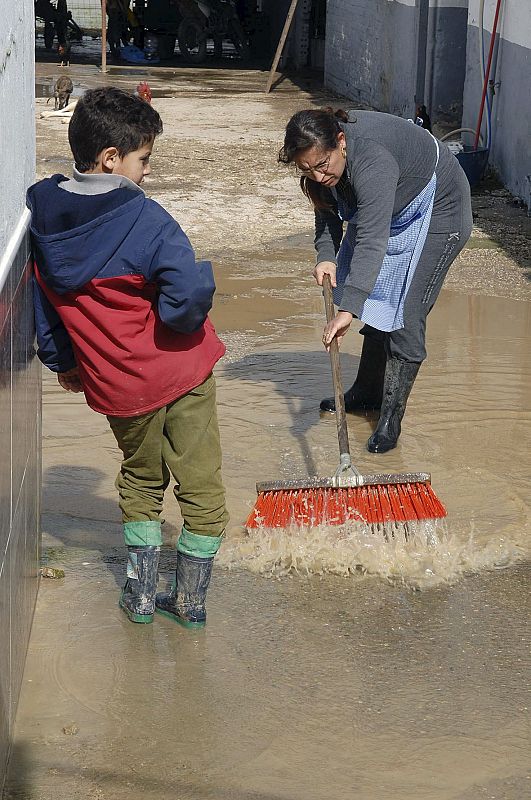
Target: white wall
x: 17, y: 137
x: 20, y: 373
x: 511, y: 118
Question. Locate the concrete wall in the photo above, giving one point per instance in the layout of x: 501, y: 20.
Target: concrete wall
x: 511, y: 119
x: 371, y: 52
x: 446, y: 58
x: 391, y: 53
x: 20, y: 391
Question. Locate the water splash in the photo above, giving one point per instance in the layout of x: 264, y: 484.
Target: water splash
x: 418, y: 555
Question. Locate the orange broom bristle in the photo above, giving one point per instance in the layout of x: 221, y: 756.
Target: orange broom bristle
x: 401, y: 502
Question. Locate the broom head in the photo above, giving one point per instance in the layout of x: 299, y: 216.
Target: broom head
x: 373, y: 500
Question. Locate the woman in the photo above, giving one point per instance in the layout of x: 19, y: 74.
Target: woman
x: 406, y: 202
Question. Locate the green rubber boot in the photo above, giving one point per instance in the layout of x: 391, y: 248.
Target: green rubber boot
x: 185, y: 602
x: 137, y: 599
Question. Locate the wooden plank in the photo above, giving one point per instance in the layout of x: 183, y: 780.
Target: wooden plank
x: 281, y: 43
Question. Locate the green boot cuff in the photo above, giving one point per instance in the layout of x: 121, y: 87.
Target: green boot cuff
x: 192, y: 544
x: 142, y: 534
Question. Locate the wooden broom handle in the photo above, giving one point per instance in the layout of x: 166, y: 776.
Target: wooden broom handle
x: 341, y: 417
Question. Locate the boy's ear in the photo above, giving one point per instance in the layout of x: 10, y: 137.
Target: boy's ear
x: 109, y: 159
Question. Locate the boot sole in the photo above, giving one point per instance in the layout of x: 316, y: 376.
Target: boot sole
x: 381, y: 449
x: 184, y: 623
x: 145, y: 619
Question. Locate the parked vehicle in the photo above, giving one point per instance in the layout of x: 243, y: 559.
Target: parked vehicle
x: 209, y: 19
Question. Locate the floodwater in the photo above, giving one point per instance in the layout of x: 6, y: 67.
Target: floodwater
x: 467, y: 423
x: 332, y: 666
x: 335, y: 663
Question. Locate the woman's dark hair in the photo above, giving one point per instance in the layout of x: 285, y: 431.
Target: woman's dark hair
x: 312, y: 128
x: 109, y: 117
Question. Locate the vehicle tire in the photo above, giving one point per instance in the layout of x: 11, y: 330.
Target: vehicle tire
x: 192, y: 41
x: 239, y: 39
x: 49, y: 34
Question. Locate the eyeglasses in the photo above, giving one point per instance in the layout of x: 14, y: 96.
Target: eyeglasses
x: 321, y: 168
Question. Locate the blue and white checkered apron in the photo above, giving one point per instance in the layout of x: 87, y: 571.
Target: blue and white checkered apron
x: 384, y: 307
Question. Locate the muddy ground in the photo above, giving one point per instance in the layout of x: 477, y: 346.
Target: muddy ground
x: 333, y: 665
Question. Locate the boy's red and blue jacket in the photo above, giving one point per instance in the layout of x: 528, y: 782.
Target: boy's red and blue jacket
x: 119, y: 294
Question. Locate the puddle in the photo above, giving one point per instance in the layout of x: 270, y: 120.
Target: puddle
x: 335, y: 663
x: 465, y: 419
x: 44, y: 87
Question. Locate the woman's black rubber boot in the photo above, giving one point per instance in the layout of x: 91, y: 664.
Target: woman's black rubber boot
x: 399, y: 379
x: 365, y: 394
x: 138, y: 595
x: 185, y: 602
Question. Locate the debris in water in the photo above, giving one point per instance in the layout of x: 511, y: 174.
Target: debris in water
x: 52, y: 572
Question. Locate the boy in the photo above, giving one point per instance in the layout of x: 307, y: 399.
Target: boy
x: 121, y: 311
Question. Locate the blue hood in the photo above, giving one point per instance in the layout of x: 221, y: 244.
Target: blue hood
x: 75, y: 236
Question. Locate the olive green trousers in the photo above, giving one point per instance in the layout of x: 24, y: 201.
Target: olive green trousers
x: 179, y: 440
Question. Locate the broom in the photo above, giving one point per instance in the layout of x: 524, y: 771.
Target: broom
x: 375, y: 500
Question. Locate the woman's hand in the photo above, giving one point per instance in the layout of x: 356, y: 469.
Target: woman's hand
x: 337, y: 328
x: 69, y: 380
x: 325, y: 268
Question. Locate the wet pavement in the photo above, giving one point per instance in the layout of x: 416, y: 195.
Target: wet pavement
x: 334, y: 664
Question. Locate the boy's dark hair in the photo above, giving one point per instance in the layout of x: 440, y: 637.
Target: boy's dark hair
x: 109, y: 117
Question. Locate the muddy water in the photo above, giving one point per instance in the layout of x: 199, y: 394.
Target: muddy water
x: 305, y: 684
x: 298, y: 689
x: 335, y: 664
x: 467, y: 423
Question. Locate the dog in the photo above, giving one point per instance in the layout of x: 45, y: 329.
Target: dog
x: 62, y: 90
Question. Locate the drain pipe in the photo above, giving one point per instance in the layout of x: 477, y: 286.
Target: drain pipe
x: 422, y: 46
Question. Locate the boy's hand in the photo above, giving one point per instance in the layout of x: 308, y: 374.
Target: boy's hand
x: 69, y: 380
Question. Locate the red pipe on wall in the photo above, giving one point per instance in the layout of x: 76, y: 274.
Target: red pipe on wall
x: 487, y: 73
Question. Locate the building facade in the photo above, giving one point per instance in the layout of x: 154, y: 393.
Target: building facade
x: 510, y: 152
x: 393, y: 54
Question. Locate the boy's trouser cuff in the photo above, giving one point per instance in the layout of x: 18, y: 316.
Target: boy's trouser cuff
x: 146, y: 533
x: 192, y: 544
